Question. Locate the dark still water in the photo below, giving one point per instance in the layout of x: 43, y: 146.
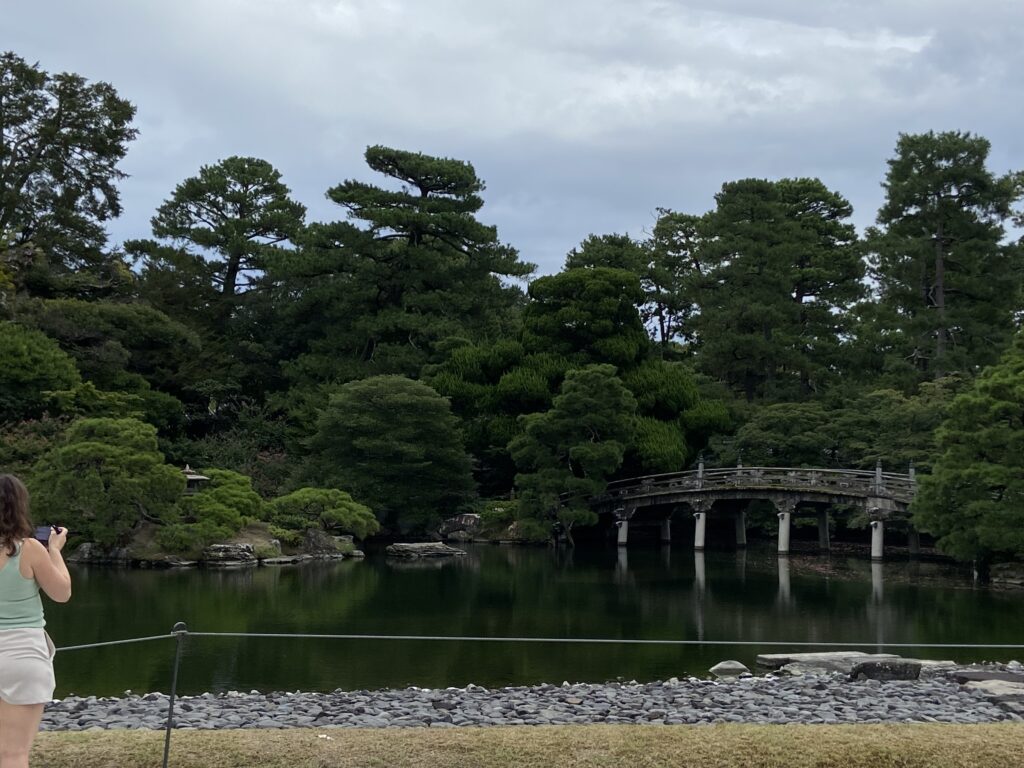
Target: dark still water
x: 507, y: 591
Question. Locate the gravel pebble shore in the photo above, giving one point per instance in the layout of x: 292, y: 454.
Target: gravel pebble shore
x: 827, y: 698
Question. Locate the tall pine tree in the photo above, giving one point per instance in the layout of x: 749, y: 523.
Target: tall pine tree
x: 412, y: 274
x: 948, y: 284
x: 780, y: 269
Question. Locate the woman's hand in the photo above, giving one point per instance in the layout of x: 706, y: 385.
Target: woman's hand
x: 58, y: 538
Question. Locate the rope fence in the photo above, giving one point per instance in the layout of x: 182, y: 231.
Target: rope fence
x: 569, y: 640
x: 181, y: 631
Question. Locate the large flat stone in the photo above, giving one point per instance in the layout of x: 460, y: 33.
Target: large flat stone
x: 934, y: 664
x: 832, y: 661
x: 230, y: 555
x: 799, y: 668
x: 423, y: 549
x: 997, y: 690
x: 981, y: 675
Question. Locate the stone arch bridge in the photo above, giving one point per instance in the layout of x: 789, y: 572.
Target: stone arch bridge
x: 884, y: 496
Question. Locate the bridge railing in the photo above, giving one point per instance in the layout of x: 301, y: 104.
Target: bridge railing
x: 843, y: 482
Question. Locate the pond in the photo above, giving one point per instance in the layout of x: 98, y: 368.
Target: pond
x: 498, y: 591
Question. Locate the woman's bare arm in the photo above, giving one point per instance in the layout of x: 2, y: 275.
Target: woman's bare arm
x: 47, y: 566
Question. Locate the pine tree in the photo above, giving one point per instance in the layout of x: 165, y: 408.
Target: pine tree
x: 567, y: 454
x: 948, y: 285
x: 412, y: 274
x: 781, y: 268
x: 973, y: 501
x: 61, y: 139
x: 394, y: 444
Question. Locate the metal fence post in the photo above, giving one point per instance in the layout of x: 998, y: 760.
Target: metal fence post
x: 180, y: 631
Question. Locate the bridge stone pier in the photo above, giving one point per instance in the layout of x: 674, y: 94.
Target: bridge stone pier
x: 793, y: 492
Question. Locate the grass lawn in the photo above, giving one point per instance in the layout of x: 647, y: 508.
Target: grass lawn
x: 721, y: 746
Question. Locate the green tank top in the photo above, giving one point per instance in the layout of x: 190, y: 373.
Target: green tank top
x: 20, y: 605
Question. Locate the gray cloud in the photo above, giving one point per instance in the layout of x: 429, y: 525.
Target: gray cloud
x: 583, y: 116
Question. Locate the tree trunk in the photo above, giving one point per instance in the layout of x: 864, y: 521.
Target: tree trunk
x: 939, y: 299
x: 231, y: 272
x: 231, y: 275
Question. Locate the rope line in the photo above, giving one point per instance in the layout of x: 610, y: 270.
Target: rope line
x: 599, y: 640
x: 115, y: 642
x: 561, y: 640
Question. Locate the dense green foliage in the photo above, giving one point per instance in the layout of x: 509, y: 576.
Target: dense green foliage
x: 567, y: 454
x: 974, y: 498
x: 216, y: 511
x: 395, y: 445
x: 105, y: 478
x: 779, y: 266
x: 399, y: 359
x: 325, y: 508
x: 490, y: 386
x: 879, y: 425
x: 410, y: 275
x: 587, y: 315
x: 32, y: 365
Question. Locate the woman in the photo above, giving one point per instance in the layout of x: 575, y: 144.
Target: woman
x: 26, y: 652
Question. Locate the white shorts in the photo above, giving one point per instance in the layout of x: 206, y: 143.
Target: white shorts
x: 26, y: 666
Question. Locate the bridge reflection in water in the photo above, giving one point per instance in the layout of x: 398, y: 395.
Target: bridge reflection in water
x: 702, y: 594
x: 885, y: 497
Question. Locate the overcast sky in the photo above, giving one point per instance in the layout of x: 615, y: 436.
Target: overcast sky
x: 583, y: 116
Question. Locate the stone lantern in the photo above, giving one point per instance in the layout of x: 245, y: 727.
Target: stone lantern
x: 193, y: 480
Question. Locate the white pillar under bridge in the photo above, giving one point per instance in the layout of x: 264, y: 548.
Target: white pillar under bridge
x: 622, y: 517
x: 877, y: 539
x: 784, y: 510
x: 879, y: 508
x: 699, y: 530
x: 700, y: 519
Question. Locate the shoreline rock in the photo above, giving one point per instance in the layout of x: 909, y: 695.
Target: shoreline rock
x: 880, y: 666
x: 462, y: 528
x: 91, y: 553
x: 729, y: 668
x: 218, y: 556
x: 423, y: 549
x: 229, y: 556
x: 1007, y: 574
x: 810, y: 663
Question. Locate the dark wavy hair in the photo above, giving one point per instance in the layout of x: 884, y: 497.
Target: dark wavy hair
x: 15, y: 523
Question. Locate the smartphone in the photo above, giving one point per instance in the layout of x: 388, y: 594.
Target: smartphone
x: 43, y: 534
